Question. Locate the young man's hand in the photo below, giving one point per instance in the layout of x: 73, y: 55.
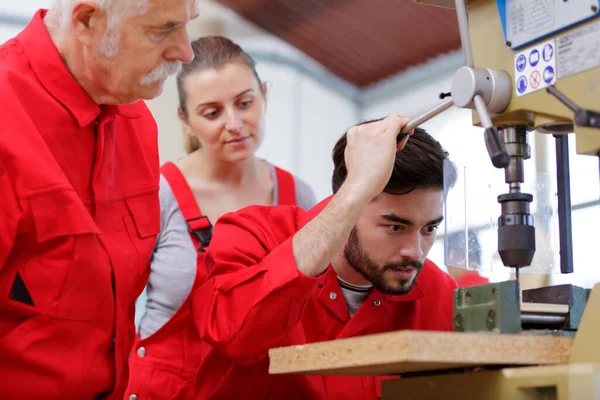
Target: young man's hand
x: 370, y: 155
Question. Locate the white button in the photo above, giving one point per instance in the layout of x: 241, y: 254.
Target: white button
x: 377, y: 303
x: 141, y: 352
x: 333, y: 295
x: 133, y: 397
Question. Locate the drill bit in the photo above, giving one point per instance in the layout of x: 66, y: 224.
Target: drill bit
x: 518, y: 286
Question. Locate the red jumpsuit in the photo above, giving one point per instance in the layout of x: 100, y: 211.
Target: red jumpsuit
x: 256, y: 299
x: 471, y: 278
x: 163, y: 366
x: 79, y: 214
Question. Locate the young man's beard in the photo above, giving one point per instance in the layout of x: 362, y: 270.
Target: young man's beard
x: 358, y: 259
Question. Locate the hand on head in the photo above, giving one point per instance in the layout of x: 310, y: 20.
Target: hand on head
x: 371, y: 152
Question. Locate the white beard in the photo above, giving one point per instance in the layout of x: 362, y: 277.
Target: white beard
x: 161, y: 73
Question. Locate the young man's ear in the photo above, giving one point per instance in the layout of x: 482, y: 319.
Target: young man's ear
x: 88, y: 22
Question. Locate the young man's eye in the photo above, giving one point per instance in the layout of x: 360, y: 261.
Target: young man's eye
x: 430, y: 230
x: 394, y: 228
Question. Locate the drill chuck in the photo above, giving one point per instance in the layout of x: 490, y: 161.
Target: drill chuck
x: 516, y: 234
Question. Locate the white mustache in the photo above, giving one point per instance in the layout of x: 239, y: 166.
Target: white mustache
x: 161, y: 72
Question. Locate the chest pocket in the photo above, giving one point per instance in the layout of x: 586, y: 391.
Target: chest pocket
x: 64, y: 269
x: 143, y: 224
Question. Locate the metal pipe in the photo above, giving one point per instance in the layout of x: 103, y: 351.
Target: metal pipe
x: 482, y: 111
x: 518, y: 288
x: 564, y: 204
x: 562, y: 98
x: 463, y: 27
x: 427, y: 115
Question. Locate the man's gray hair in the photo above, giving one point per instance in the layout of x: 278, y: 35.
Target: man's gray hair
x: 59, y: 18
x: 60, y: 10
x: 59, y: 13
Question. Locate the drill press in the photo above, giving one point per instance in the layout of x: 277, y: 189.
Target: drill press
x: 549, y: 53
x: 516, y: 60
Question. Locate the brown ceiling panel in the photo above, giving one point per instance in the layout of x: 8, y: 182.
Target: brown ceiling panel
x: 361, y: 41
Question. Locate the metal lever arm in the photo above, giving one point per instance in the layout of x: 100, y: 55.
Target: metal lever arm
x: 585, y: 118
x: 426, y: 116
x: 495, y: 148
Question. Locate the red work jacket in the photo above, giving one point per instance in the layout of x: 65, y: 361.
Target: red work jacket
x: 79, y: 214
x: 256, y: 299
x: 163, y: 366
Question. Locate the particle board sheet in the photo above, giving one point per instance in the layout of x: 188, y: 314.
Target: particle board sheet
x: 417, y: 351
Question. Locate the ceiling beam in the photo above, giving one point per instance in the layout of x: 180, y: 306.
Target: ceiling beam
x: 378, y: 92
x: 13, y: 19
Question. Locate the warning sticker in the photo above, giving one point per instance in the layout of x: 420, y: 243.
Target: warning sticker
x: 535, y: 68
x: 527, y: 21
x: 578, y: 50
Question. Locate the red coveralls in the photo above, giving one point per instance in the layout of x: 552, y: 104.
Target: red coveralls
x: 256, y: 299
x: 164, y: 365
x: 471, y: 278
x: 79, y: 214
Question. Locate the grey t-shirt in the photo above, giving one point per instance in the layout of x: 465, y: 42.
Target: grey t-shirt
x: 354, y: 295
x: 173, y: 262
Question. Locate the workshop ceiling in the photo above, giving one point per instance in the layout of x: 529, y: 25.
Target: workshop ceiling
x: 361, y: 41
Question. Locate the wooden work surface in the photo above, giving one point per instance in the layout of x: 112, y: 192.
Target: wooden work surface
x: 414, y: 351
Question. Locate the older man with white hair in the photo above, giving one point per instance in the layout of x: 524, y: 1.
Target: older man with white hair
x: 79, y: 173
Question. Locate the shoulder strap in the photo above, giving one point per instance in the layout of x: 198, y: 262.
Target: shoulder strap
x: 199, y: 226
x: 286, y: 187
x: 185, y: 198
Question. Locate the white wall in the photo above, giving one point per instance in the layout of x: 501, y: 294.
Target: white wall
x: 11, y: 10
x: 7, y: 32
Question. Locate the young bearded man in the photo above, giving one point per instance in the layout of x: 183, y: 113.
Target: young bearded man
x: 353, y: 265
